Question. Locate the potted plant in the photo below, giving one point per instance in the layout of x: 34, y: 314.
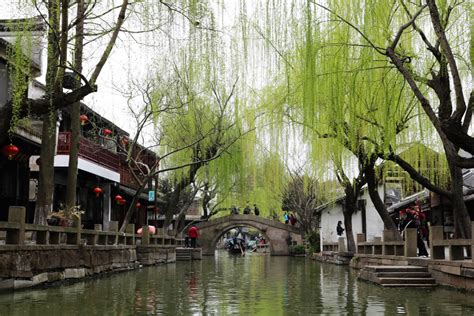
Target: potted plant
x: 65, y: 217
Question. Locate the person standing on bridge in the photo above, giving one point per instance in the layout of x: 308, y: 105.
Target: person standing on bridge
x: 247, y: 209
x: 193, y: 235
x: 256, y: 210
x: 286, y: 217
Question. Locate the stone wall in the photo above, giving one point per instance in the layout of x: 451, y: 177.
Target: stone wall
x: 153, y: 254
x: 26, y: 266
x: 338, y: 258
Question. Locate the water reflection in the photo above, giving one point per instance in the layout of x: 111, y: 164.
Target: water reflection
x: 226, y: 285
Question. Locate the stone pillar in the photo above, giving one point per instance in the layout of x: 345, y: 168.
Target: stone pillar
x: 436, y: 233
x: 389, y: 235
x: 99, y: 239
x: 472, y: 239
x: 130, y: 240
x: 360, y: 238
x: 113, y: 227
x: 145, y: 235
x: 410, y: 242
x: 341, y: 244
x: 107, y: 206
x: 16, y: 236
x: 74, y: 238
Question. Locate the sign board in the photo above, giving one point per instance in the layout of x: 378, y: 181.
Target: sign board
x: 151, y: 196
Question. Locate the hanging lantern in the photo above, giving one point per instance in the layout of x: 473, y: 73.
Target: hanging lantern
x: 98, y: 191
x: 138, y: 205
x: 125, y: 141
x: 10, y: 151
x: 84, y: 119
x: 123, y: 201
x: 118, y: 198
x: 107, y: 132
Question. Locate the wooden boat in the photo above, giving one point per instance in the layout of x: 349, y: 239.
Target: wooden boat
x: 236, y: 246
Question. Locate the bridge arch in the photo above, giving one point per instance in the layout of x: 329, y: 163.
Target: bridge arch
x: 277, y: 234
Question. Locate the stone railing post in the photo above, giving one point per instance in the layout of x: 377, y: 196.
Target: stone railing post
x: 16, y: 214
x: 145, y: 235
x: 130, y: 230
x: 410, y: 248
x: 390, y: 235
x: 113, y: 227
x: 436, y: 233
x: 341, y: 244
x: 360, y: 238
x: 75, y: 238
x: 99, y: 239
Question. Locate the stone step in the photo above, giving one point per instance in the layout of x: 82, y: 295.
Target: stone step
x: 403, y: 281
x: 395, y: 269
x: 403, y: 274
x: 410, y: 285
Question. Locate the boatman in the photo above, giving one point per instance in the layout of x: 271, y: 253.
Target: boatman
x: 193, y: 235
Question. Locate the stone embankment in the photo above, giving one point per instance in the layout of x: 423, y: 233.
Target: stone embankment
x: 62, y: 253
x: 451, y: 262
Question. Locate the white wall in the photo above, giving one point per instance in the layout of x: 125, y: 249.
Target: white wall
x: 331, y: 215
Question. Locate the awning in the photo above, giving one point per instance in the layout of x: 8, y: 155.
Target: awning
x: 132, y: 192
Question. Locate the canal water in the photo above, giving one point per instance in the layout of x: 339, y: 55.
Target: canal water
x: 232, y: 285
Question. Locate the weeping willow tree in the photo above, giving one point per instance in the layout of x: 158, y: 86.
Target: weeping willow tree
x: 428, y: 45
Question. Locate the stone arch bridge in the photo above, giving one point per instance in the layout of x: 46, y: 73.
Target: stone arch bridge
x: 278, y: 235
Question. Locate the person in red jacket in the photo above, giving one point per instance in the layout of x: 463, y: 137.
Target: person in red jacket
x: 193, y: 235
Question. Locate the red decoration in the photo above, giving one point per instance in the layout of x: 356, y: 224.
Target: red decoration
x: 118, y: 198
x: 138, y: 205
x: 84, y: 119
x: 122, y: 202
x: 98, y: 191
x: 125, y: 141
x: 10, y: 151
x: 107, y: 132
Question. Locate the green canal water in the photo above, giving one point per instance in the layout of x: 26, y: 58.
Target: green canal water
x: 231, y: 285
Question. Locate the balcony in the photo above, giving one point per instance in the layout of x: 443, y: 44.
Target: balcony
x: 126, y: 177
x: 90, y: 151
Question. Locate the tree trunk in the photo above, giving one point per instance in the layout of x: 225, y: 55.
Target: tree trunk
x: 378, y: 203
x: 462, y: 221
x: 46, y: 173
x: 349, y: 209
x: 72, y: 171
x: 131, y: 209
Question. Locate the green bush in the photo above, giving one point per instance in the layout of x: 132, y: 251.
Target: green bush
x: 313, y: 242
x: 297, y: 250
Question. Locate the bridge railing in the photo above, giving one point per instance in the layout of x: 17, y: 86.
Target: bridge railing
x: 16, y: 231
x: 249, y: 217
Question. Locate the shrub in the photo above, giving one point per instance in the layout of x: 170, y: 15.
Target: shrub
x: 297, y: 250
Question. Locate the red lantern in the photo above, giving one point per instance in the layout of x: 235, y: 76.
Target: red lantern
x: 98, y: 191
x: 125, y: 141
x: 138, y: 205
x: 10, y: 151
x: 123, y: 201
x: 107, y: 132
x: 84, y: 119
x: 118, y: 198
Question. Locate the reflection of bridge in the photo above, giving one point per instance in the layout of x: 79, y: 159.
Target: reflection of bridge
x: 279, y: 235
